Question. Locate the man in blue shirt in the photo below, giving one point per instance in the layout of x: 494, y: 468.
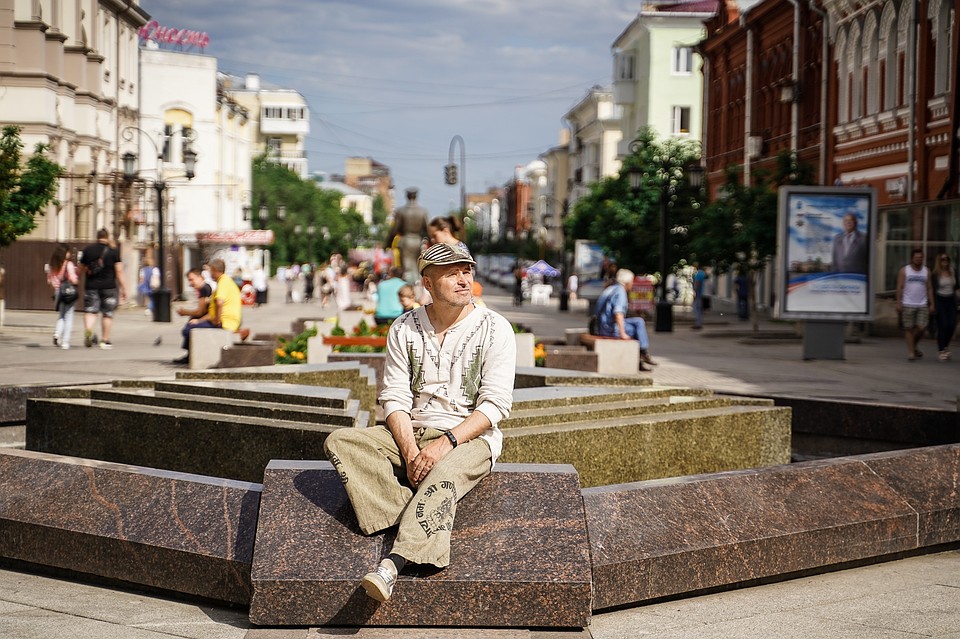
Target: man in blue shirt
x: 612, y: 320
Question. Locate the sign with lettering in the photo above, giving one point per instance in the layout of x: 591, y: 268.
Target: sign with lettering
x: 156, y: 32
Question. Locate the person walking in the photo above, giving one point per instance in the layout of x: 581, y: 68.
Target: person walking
x: 149, y: 277
x: 259, y: 282
x: 63, y: 277
x: 699, y: 284
x: 448, y: 382
x: 945, y: 288
x: 104, y: 288
x: 914, y: 302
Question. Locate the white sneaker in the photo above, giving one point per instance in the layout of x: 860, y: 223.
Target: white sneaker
x: 106, y: 346
x: 379, y: 583
x: 65, y: 347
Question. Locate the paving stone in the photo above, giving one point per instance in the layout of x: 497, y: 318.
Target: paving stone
x: 518, y: 548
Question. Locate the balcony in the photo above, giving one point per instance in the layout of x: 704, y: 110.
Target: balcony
x: 284, y: 126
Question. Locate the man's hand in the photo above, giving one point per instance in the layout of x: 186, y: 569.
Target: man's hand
x: 422, y: 464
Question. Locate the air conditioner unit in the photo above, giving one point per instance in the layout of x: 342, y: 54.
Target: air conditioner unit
x: 754, y: 146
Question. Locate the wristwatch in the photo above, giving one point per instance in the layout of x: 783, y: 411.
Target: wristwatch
x: 453, y: 438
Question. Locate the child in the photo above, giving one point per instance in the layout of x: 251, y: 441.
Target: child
x: 407, y: 298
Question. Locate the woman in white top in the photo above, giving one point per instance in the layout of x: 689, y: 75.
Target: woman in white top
x: 945, y: 303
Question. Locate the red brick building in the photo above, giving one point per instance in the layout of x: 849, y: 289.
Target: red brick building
x: 882, y: 111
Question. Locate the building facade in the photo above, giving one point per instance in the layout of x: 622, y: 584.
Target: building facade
x: 68, y: 71
x: 894, y: 122
x: 184, y: 107
x: 69, y: 74
x: 281, y: 120
x: 656, y: 79
x: 865, y: 92
x: 595, y: 135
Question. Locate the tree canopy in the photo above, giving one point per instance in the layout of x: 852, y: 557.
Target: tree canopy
x: 304, y: 204
x: 627, y: 222
x: 739, y: 229
x: 25, y: 189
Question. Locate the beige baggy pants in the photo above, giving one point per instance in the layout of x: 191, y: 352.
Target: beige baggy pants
x: 375, y: 477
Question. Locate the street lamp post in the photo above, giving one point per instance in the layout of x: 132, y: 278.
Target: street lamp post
x: 694, y: 174
x: 161, y: 295
x: 451, y: 173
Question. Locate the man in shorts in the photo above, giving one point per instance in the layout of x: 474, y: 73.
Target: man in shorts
x: 104, y: 279
x: 914, y: 302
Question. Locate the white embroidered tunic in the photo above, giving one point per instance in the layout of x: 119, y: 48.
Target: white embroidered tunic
x: 440, y: 385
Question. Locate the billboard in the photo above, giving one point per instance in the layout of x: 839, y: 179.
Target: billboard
x: 587, y: 259
x: 826, y: 252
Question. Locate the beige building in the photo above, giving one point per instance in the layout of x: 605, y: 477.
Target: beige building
x: 371, y: 177
x: 280, y: 116
x: 68, y: 70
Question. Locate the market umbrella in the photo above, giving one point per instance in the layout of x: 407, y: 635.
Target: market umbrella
x: 542, y: 268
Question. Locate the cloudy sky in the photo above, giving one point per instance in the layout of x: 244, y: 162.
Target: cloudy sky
x: 396, y: 80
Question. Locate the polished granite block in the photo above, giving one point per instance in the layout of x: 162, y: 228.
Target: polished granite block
x: 638, y: 447
x: 275, y: 392
x: 359, y: 379
x: 666, y: 537
x: 929, y: 480
x: 13, y: 401
x: 243, y: 354
x: 184, y: 533
x: 550, y: 397
x: 579, y: 359
x: 592, y: 411
x: 229, y: 446
x: 534, y: 376
x: 520, y: 555
x: 898, y: 425
x: 375, y: 361
x: 350, y: 416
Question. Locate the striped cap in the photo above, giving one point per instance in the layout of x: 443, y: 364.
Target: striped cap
x: 444, y: 254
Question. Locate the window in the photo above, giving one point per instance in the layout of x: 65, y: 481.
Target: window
x: 167, y: 132
x: 273, y: 146
x: 680, y: 120
x: 272, y: 113
x: 625, y: 66
x: 682, y: 60
x: 187, y: 134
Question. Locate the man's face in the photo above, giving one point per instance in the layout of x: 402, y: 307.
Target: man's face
x: 196, y: 281
x: 450, y: 284
x: 917, y: 260
x: 849, y: 223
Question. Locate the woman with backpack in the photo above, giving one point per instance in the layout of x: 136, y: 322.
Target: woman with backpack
x: 62, y: 276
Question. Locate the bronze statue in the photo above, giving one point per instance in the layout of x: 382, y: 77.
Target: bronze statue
x: 410, y: 224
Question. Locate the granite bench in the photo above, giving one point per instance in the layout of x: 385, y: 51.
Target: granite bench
x: 207, y: 345
x: 614, y: 356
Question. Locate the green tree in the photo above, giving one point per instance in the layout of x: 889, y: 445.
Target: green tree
x: 25, y: 189
x: 627, y: 222
x: 739, y: 230
x: 305, y: 204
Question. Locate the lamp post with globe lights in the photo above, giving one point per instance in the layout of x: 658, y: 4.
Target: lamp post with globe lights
x: 161, y: 295
x: 671, y: 176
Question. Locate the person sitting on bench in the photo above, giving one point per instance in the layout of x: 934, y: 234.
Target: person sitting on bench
x: 223, y: 310
x: 612, y: 320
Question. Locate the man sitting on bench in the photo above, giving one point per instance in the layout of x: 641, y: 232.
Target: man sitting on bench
x: 612, y: 320
x: 448, y: 381
x: 223, y: 311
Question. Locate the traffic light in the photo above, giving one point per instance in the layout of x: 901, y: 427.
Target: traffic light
x: 450, y: 173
